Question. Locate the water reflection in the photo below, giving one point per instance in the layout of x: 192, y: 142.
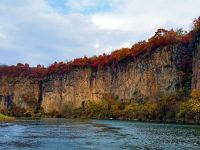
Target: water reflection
x: 63, y: 134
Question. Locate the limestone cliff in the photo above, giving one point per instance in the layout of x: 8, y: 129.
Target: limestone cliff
x: 164, y: 70
x: 146, y: 76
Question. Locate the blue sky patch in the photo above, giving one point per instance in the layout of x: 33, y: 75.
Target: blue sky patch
x: 85, y: 7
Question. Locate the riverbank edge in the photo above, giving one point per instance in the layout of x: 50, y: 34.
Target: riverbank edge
x: 4, y: 118
x: 114, y: 119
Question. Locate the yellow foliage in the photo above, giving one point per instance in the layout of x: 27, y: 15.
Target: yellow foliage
x: 189, y: 110
x: 195, y: 94
x: 150, y: 107
x: 132, y: 107
x: 194, y: 105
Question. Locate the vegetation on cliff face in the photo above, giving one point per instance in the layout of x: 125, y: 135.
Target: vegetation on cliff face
x: 189, y: 110
x: 171, y: 108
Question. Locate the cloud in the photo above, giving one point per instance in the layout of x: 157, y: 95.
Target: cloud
x: 38, y: 32
x: 145, y: 16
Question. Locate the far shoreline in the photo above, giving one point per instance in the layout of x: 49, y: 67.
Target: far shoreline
x: 108, y: 119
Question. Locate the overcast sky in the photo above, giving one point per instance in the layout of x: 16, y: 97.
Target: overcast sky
x: 44, y: 31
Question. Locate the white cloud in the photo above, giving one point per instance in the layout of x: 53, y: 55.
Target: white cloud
x: 145, y: 16
x: 33, y: 31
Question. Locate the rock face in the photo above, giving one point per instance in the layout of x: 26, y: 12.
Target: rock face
x: 196, y: 63
x: 147, y: 76
x: 18, y: 94
x: 166, y: 70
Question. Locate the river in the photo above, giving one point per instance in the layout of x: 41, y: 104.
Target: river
x: 69, y: 134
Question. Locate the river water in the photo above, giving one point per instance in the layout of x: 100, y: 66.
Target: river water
x: 63, y: 134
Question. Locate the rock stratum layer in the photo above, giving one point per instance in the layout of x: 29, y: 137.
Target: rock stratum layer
x: 164, y: 70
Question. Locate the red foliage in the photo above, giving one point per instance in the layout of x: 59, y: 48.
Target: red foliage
x: 23, y: 70
x: 81, y: 61
x: 196, y: 23
x: 186, y: 38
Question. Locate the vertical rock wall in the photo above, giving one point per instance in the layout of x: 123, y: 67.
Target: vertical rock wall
x: 20, y: 94
x: 147, y: 76
x: 196, y: 62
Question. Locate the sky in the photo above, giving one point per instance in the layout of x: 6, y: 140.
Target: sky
x: 45, y: 31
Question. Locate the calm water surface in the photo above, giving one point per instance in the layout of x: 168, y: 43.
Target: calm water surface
x: 62, y: 134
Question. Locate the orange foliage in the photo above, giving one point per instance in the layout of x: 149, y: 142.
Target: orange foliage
x: 195, y: 94
x: 186, y: 38
x: 23, y: 70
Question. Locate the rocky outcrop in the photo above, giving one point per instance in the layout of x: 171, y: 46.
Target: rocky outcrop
x: 18, y: 94
x: 160, y: 72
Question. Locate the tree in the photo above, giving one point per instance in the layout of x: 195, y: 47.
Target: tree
x: 181, y: 32
x: 20, y: 65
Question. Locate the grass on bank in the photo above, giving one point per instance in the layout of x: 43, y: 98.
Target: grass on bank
x: 6, y: 118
